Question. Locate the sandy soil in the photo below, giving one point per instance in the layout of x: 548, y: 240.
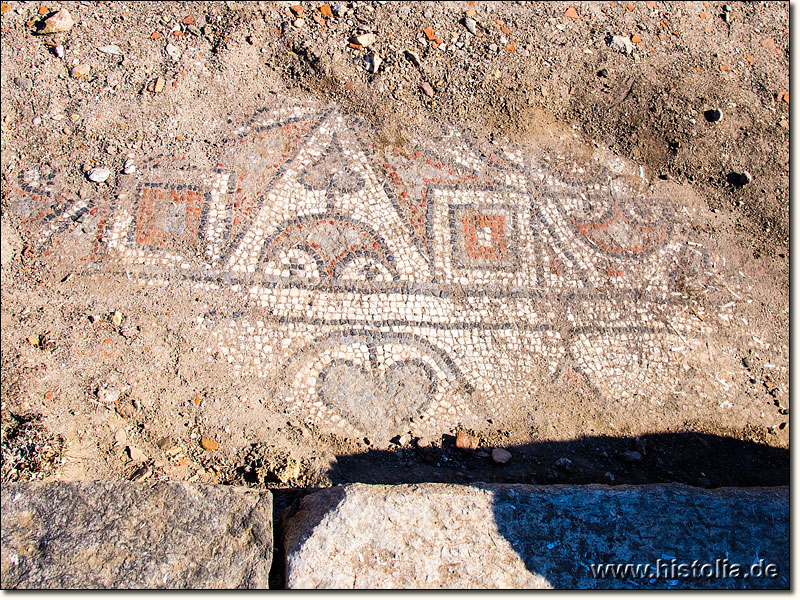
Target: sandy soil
x: 545, y: 76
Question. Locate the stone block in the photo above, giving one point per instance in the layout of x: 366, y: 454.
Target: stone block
x: 134, y: 535
x: 517, y: 536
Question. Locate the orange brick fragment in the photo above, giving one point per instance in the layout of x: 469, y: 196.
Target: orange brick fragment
x: 650, y: 3
x: 4, y: 7
x: 703, y: 15
x: 465, y: 441
x: 296, y: 9
x: 209, y: 444
x: 724, y: 68
x: 43, y: 10
x: 156, y: 35
x: 749, y: 59
x: 471, y: 12
x: 326, y: 11
x: 511, y: 47
x: 785, y: 97
x: 571, y: 13
x: 635, y: 39
x: 189, y: 20
x: 356, y: 46
x: 505, y: 30
x: 768, y: 43
x: 429, y: 33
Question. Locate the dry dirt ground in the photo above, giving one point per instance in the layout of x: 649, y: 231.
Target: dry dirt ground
x: 547, y: 77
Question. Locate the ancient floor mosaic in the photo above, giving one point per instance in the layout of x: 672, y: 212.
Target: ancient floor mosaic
x: 381, y: 286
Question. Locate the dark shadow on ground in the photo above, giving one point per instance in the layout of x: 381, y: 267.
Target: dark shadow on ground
x: 698, y: 459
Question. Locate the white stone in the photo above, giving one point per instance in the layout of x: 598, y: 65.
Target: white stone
x: 98, y: 174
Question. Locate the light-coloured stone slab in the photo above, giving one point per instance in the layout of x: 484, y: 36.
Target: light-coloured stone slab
x: 129, y: 535
x: 495, y: 536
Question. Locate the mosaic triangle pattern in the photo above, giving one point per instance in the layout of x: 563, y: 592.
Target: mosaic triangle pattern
x: 387, y: 287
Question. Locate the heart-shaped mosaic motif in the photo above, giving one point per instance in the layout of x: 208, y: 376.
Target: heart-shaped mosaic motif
x: 378, y: 401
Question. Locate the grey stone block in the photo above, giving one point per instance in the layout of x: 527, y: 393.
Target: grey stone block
x: 134, y: 535
x: 516, y: 536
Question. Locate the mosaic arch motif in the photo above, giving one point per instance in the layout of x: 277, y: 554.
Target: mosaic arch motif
x: 396, y: 287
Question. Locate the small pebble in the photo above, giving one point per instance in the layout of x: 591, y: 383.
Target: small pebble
x: 630, y: 456
x: 129, y: 168
x: 23, y: 83
x: 364, y: 39
x: 373, y: 63
x: 492, y: 47
x: 501, y: 456
x: 136, y: 454
x: 620, y: 44
x: 173, y: 51
x: 209, y: 444
x: 158, y: 86
x: 471, y: 25
x: 141, y: 473
x: 165, y: 443
x: 299, y: 23
x: 58, y: 23
x: 107, y: 394
x: 111, y: 49
x: 426, y: 87
x: 116, y: 318
x: 120, y: 437
x: 59, y: 51
x: 79, y: 71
